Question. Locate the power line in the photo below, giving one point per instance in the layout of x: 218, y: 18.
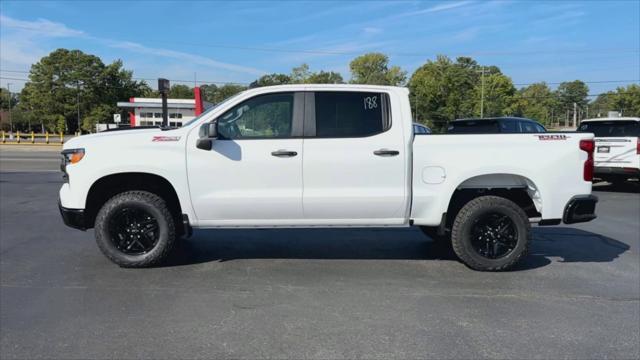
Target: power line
x: 245, y: 83
x: 521, y: 97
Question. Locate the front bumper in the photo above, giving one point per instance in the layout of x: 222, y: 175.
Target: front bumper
x: 579, y: 209
x: 73, y: 217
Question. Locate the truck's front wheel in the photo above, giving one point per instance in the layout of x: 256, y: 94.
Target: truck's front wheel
x: 135, y: 229
x: 490, y: 233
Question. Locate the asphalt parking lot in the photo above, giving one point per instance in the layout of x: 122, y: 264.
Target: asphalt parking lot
x: 357, y: 293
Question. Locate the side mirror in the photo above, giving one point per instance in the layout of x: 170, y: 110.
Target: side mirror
x: 208, y: 133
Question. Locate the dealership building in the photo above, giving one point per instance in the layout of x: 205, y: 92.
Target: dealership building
x: 148, y: 111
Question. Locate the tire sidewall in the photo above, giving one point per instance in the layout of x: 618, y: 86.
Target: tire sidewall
x: 522, y: 229
x: 103, y: 236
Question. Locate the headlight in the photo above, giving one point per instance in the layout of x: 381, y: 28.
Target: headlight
x: 72, y: 156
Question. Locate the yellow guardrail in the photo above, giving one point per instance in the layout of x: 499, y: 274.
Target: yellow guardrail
x: 19, y: 138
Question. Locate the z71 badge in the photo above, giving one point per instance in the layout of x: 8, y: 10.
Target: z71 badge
x: 552, y: 137
x: 165, y: 138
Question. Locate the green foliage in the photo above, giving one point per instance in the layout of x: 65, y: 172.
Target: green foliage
x: 214, y: 94
x: 271, y: 79
x: 442, y: 90
x: 180, y: 92
x: 67, y: 80
x: 7, y: 99
x: 498, y: 95
x: 627, y: 100
x: 100, y: 114
x: 373, y: 68
x: 325, y: 77
x: 536, y: 102
x: 302, y: 75
x: 570, y: 92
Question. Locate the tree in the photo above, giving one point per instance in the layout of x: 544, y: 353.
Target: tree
x: 67, y: 82
x: 442, y: 90
x: 570, y: 92
x: 7, y: 99
x: 214, y: 94
x: 180, y: 92
x: 300, y: 74
x: 325, y: 77
x: 498, y: 95
x: 271, y: 79
x: 99, y: 114
x: 373, y: 68
x: 536, y: 102
x: 627, y: 100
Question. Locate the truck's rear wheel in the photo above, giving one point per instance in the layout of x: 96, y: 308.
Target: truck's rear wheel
x: 490, y: 233
x: 135, y: 229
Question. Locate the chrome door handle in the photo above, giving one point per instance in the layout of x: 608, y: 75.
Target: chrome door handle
x: 386, y: 152
x: 284, y: 153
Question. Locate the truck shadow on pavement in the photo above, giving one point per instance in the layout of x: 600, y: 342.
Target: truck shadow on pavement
x: 562, y: 245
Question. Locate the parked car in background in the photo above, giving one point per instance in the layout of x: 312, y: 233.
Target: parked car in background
x: 617, y: 155
x: 420, y: 129
x: 499, y: 125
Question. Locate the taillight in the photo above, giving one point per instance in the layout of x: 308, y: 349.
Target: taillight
x: 588, y: 146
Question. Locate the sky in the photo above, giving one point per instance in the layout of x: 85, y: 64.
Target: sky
x: 531, y: 41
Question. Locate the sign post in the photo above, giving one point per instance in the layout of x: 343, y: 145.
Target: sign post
x: 116, y: 118
x: 163, y: 88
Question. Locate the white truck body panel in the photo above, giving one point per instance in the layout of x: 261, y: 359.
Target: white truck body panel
x: 332, y: 181
x: 550, y: 169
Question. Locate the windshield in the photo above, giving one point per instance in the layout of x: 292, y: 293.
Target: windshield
x: 211, y: 109
x: 611, y: 128
x: 473, y: 127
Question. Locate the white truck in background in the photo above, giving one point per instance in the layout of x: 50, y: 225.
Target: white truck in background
x: 617, y: 154
x: 323, y: 156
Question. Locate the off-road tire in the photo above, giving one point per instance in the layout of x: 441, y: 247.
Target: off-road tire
x: 464, y: 221
x: 154, y: 205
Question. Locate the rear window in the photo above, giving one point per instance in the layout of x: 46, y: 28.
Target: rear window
x: 473, y: 127
x: 350, y: 114
x: 616, y: 128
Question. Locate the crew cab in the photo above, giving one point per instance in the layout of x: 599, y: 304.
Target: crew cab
x: 322, y: 156
x: 495, y: 125
x: 617, y: 155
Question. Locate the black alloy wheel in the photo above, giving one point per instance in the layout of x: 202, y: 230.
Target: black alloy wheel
x: 494, y: 235
x: 133, y: 230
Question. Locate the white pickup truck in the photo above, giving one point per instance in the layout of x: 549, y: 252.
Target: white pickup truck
x: 323, y: 156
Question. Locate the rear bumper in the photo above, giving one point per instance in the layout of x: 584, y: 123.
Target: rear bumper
x: 73, y: 217
x: 609, y: 170
x: 579, y: 209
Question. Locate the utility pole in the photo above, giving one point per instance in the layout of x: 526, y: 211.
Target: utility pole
x: 10, y: 98
x: 78, y: 101
x: 587, y: 111
x: 575, y: 114
x: 482, y: 95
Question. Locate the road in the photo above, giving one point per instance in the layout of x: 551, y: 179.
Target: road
x: 357, y: 293
x: 29, y: 158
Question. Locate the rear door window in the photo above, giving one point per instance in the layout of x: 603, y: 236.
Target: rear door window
x: 350, y: 114
x: 616, y: 128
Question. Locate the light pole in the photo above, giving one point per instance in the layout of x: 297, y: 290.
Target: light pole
x: 481, y: 71
x: 10, y: 98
